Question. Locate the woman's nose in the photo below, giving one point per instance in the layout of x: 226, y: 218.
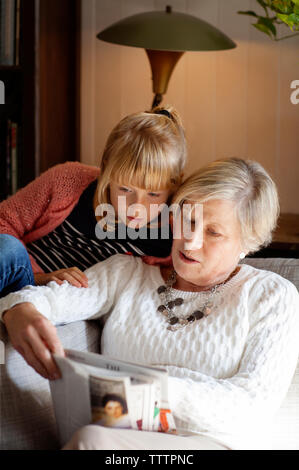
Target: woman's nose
x: 193, y: 240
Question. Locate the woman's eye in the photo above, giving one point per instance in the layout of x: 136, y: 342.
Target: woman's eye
x: 214, y: 234
x: 125, y: 190
x: 154, y: 194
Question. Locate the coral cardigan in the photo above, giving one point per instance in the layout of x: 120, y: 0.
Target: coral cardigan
x: 42, y: 205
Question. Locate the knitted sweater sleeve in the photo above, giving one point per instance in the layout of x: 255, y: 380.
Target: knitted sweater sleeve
x: 65, y: 303
x: 42, y: 201
x: 19, y: 213
x: 255, y: 392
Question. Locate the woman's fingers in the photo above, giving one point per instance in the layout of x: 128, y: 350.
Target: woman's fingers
x: 35, y: 338
x: 39, y: 352
x: 32, y: 360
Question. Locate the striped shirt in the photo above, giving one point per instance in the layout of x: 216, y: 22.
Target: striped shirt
x: 74, y: 242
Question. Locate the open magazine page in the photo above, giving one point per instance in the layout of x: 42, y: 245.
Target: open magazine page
x: 71, y: 399
x: 142, y: 395
x: 164, y: 421
x: 151, y: 400
x: 109, y: 401
x: 105, y: 391
x: 108, y: 363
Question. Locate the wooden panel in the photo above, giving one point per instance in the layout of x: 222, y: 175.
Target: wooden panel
x: 231, y: 87
x: 200, y: 105
x: 263, y: 69
x: 58, y: 81
x: 136, y: 87
x: 176, y: 93
x: 232, y: 102
x: 87, y: 87
x: 288, y: 229
x: 288, y: 129
x: 108, y: 77
x: 29, y: 155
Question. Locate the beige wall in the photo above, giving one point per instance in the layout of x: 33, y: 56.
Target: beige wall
x: 233, y: 103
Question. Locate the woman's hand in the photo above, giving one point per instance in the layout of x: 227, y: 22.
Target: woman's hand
x: 35, y: 338
x: 74, y: 276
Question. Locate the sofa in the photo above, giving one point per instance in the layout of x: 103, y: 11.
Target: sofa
x: 27, y: 419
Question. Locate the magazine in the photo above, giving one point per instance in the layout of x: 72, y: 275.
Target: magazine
x: 99, y: 390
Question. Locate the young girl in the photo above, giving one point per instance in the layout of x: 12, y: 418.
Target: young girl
x: 55, y: 216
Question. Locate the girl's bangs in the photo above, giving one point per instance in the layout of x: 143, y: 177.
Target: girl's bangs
x: 143, y: 176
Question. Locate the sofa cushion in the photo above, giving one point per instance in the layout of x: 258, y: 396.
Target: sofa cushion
x: 27, y: 417
x: 285, y: 430
x: 286, y: 267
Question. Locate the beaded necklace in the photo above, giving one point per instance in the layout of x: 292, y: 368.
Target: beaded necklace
x: 177, y: 321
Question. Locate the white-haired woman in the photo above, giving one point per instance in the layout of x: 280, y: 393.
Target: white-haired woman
x: 227, y: 333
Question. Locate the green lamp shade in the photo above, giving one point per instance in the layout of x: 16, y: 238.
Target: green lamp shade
x: 166, y: 31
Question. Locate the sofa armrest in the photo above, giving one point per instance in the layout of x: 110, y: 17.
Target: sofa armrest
x: 285, y: 428
x: 285, y: 267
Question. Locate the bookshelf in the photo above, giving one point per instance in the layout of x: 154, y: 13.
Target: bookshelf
x: 39, y: 122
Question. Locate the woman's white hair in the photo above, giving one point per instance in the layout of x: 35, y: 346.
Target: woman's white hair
x: 248, y: 185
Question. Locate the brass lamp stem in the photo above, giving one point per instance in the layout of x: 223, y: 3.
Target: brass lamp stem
x: 162, y: 65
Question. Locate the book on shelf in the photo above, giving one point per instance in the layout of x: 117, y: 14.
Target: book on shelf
x: 99, y: 390
x: 10, y: 11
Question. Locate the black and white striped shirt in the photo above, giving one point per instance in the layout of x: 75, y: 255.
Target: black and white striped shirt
x: 74, y: 242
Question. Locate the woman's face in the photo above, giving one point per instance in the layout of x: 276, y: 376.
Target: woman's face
x: 213, y: 252
x: 113, y: 409
x: 136, y: 207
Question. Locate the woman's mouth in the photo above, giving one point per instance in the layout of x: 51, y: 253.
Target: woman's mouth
x: 187, y: 259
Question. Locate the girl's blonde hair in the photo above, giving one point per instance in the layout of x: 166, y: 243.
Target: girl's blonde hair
x: 248, y: 185
x: 145, y: 149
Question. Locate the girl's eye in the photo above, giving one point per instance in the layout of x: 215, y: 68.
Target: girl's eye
x: 154, y: 194
x: 125, y: 190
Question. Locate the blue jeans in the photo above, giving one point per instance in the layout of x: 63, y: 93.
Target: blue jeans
x: 15, y: 267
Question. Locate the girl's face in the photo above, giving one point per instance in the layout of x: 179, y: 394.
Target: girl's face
x: 136, y: 207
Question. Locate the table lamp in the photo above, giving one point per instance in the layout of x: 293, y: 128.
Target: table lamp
x: 165, y: 35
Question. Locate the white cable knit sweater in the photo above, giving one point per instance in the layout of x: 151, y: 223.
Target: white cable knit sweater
x: 229, y: 372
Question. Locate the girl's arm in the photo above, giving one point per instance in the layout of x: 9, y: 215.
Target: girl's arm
x: 33, y: 206
x: 243, y: 402
x: 20, y: 213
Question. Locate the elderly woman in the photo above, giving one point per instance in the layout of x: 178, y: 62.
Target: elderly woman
x: 226, y: 333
